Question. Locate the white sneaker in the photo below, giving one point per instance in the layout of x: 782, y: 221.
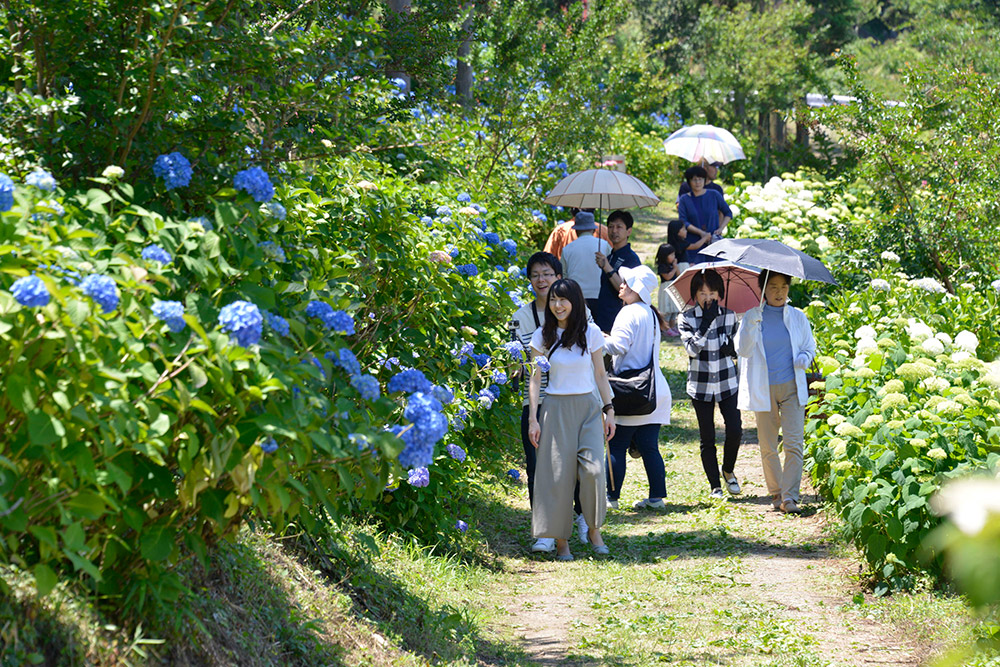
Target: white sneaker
x: 716, y: 494
x: 613, y: 503
x: 582, y: 529
x: 650, y: 503
x: 544, y: 545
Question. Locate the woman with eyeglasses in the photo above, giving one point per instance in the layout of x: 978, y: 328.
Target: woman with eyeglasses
x: 543, y: 270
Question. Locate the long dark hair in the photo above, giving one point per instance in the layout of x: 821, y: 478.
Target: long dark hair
x: 673, y: 232
x: 576, y: 325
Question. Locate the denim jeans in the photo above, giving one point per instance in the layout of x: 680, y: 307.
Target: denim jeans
x: 646, y: 439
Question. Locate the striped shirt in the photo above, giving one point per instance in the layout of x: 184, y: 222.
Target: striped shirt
x: 711, y: 376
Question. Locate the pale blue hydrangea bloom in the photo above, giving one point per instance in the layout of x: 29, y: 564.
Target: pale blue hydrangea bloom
x: 171, y: 312
x: 102, y: 290
x: 367, y: 386
x: 256, y: 183
x: 6, y: 193
x: 41, y: 179
x: 154, y: 253
x: 419, y: 477
x: 243, y: 322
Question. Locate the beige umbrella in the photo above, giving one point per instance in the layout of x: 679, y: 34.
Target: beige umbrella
x: 603, y: 189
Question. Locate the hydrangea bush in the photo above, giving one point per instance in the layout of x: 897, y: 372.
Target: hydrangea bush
x: 911, y: 399
x: 165, y: 379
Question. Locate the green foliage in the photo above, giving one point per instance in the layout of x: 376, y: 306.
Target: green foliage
x: 908, y: 404
x: 644, y: 156
x: 932, y: 164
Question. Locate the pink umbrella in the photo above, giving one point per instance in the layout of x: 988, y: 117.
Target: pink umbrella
x: 742, y: 292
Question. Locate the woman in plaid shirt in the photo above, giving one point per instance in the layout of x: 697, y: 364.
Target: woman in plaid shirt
x: 708, y: 332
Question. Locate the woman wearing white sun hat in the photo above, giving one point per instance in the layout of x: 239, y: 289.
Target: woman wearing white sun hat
x: 633, y: 338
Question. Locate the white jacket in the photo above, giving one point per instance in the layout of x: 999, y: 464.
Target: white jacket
x: 754, y: 390
x: 633, y: 338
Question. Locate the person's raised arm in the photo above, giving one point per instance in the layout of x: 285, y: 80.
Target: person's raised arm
x: 604, y: 387
x: 703, y: 237
x: 534, y: 391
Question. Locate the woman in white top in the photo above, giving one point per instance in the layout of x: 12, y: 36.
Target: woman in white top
x: 776, y: 346
x: 569, y: 434
x: 634, y: 339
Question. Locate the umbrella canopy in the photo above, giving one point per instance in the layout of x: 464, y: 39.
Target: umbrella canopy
x: 695, y: 142
x: 603, y: 189
x: 742, y: 292
x: 771, y: 255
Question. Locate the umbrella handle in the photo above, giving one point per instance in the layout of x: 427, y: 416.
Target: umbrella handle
x: 767, y: 272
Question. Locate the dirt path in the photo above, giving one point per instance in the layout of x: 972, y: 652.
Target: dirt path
x: 704, y: 582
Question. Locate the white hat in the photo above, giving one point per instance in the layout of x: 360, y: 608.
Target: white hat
x: 640, y: 280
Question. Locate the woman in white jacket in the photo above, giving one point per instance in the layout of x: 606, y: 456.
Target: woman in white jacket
x: 633, y: 338
x: 776, y: 346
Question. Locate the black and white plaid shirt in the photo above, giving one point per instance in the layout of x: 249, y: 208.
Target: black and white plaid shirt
x: 711, y: 376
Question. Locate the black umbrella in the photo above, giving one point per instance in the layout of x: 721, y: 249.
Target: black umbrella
x: 771, y: 255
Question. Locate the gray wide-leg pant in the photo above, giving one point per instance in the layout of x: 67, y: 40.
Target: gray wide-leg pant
x: 571, y: 447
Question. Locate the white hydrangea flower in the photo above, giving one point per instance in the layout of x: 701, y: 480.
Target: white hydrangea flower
x: 948, y: 408
x: 968, y: 502
x: 918, y: 330
x: 937, y: 453
x: 935, y: 383
x: 943, y: 337
x: 880, y: 284
x: 836, y: 420
x: 890, y: 256
x: 996, y: 284
x: 967, y: 341
x: 960, y: 356
x: 865, y: 331
x: 735, y: 209
x: 932, y: 346
x: 867, y: 345
x: 928, y: 285
x: 112, y: 172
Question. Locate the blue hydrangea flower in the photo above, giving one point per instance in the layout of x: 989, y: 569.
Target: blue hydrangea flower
x: 543, y: 363
x: 274, y: 210
x: 255, y: 182
x: 460, y: 418
x: 468, y: 270
x: 510, y: 246
x: 551, y: 164
x: 391, y: 362
x: 495, y: 390
x: 171, y: 312
x: 442, y: 212
x: 515, y: 349
x: 102, y: 290
x: 359, y: 439
x: 345, y: 359
x: 273, y: 251
x: 41, y: 179
x: 270, y: 445
x: 481, y: 359
x: 491, y: 237
x: 427, y: 220
x: 243, y: 322
x: 427, y: 426
x: 485, y: 399
x: 443, y: 394
x: 521, y: 177
x: 174, y: 169
x: 31, y: 292
x: 6, y: 193
x: 461, y: 526
x: 463, y: 197
x: 514, y: 474
x: 455, y: 452
x: 277, y: 323
x: 409, y: 381
x: 367, y: 386
x: 499, y: 376
x: 154, y: 253
x: 518, y: 163
x: 419, y: 477
x: 451, y: 250
x: 337, y: 320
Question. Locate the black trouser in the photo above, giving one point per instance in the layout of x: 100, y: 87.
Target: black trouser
x: 529, y: 464
x: 646, y: 439
x: 705, y: 410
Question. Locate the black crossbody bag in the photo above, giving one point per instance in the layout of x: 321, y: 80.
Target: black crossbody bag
x: 635, y: 389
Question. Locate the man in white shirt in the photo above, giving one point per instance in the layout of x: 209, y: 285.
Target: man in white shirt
x: 578, y: 258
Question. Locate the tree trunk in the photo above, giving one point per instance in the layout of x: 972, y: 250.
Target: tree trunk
x: 764, y: 141
x: 802, y: 125
x: 463, y: 77
x: 395, y: 71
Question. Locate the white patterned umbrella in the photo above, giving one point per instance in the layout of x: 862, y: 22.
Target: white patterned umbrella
x: 695, y: 142
x: 603, y: 189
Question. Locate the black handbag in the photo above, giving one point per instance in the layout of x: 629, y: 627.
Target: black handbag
x: 635, y: 389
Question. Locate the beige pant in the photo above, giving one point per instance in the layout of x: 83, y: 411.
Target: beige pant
x: 571, y: 446
x: 790, y: 416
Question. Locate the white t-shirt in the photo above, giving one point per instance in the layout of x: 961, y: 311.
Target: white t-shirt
x: 571, y: 372
x: 579, y: 265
